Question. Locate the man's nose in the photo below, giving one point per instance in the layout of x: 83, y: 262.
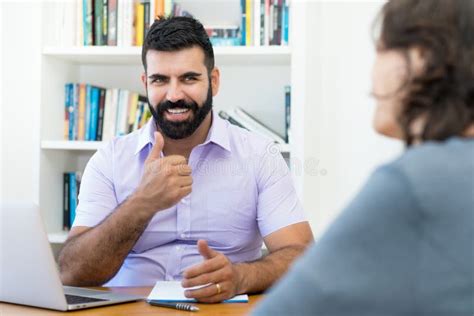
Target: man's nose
x: 174, y: 93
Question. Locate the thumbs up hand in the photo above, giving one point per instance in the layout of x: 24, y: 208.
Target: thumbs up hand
x: 166, y: 180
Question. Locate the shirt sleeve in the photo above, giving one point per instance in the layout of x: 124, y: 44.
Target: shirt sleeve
x: 350, y: 271
x: 278, y: 205
x: 97, y: 197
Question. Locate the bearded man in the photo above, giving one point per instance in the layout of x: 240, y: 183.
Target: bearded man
x: 187, y: 197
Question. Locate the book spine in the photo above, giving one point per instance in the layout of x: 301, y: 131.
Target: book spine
x: 262, y: 22
x: 66, y: 193
x: 85, y: 30
x: 72, y: 197
x: 286, y: 23
x: 132, y: 111
x: 100, y: 120
x: 105, y: 21
x: 168, y: 6
x: 76, y: 96
x: 98, y: 16
x: 124, y: 110
x: 279, y: 20
x: 287, y: 113
x: 120, y: 23
x: 145, y: 116
x: 138, y: 114
x: 89, y: 22
x: 87, y: 120
x: 112, y: 23
x: 243, y: 22
x: 248, y: 23
x: 139, y: 22
x: 78, y: 176
x: 147, y: 18
x: 94, y: 116
x: 128, y: 22
x: 267, y: 22
x: 67, y: 103
x: 81, y: 112
x: 108, y: 108
x: 159, y: 8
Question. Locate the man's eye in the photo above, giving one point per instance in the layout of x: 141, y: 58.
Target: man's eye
x: 190, y: 78
x: 158, y: 80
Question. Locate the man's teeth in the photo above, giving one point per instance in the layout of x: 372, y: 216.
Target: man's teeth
x: 177, y: 111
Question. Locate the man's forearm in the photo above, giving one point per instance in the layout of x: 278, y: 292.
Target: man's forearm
x: 259, y: 275
x: 95, y: 256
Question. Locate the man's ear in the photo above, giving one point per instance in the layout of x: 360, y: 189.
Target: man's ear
x: 215, y: 81
x: 144, y: 81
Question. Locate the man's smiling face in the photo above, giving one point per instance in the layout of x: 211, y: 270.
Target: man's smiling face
x: 179, y: 90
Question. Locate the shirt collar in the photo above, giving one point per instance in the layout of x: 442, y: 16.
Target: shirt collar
x: 218, y: 134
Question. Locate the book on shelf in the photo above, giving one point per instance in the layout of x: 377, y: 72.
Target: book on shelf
x: 264, y: 22
x: 227, y: 35
x: 287, y: 113
x: 71, y: 186
x: 242, y: 118
x: 98, y: 114
x: 126, y: 22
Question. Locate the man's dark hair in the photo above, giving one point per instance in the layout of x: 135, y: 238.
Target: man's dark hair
x: 443, y: 93
x: 175, y: 33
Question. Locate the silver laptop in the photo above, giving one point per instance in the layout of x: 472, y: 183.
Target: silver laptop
x: 28, y: 272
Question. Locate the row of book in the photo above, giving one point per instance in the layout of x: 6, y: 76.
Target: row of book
x: 265, y: 22
x: 71, y: 185
x: 105, y: 22
x: 126, y: 22
x: 98, y: 114
x: 244, y: 119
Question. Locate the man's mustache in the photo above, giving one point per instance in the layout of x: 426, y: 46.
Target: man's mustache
x: 166, y: 105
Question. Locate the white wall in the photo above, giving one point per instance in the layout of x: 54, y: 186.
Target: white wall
x: 20, y: 78
x: 1, y: 102
x: 340, y: 144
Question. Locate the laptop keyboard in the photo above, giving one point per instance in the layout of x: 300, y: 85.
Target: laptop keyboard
x: 74, y: 299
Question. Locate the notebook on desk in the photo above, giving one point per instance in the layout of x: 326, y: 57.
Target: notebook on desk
x: 28, y: 272
x: 172, y: 291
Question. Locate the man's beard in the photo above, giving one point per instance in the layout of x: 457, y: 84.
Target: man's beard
x: 183, y: 129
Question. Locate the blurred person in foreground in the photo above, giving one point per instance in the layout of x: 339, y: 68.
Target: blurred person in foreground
x: 405, y: 244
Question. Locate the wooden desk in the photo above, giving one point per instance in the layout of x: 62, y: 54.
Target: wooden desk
x: 137, y: 308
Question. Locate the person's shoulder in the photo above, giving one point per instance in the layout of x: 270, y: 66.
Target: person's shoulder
x: 438, y: 157
x: 436, y: 170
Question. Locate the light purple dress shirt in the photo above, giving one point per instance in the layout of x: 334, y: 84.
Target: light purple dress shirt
x: 242, y: 191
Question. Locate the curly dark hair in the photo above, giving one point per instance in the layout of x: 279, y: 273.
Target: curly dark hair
x: 174, y: 33
x: 443, y: 93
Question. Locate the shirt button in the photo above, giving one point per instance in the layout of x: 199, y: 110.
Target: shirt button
x: 183, y: 235
x: 178, y: 248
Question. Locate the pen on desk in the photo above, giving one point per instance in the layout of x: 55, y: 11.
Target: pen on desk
x: 180, y: 306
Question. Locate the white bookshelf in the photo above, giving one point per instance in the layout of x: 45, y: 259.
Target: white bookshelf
x: 270, y: 55
x: 251, y: 77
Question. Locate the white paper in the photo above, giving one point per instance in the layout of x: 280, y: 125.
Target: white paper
x: 172, y: 291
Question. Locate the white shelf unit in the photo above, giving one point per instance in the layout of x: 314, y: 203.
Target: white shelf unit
x: 270, y: 55
x: 251, y: 77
